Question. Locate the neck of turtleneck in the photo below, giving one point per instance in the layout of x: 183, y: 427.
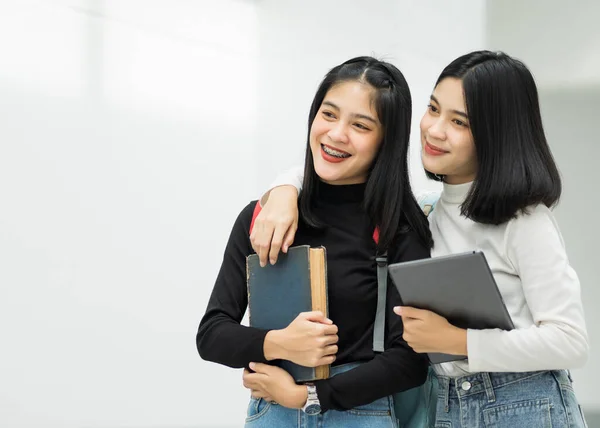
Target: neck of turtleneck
x: 340, y: 194
x: 456, y: 193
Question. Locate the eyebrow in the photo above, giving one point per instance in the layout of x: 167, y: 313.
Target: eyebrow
x: 458, y: 112
x: 356, y: 115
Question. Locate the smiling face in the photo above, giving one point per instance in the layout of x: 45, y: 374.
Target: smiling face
x: 345, y: 134
x: 448, y: 147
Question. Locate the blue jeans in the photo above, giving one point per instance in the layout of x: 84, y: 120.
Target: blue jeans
x: 378, y: 414
x: 508, y: 400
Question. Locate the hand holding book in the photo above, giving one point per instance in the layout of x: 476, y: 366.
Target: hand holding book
x: 289, y: 300
x: 309, y: 340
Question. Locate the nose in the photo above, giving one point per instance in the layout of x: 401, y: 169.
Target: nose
x: 437, y: 130
x: 338, y: 133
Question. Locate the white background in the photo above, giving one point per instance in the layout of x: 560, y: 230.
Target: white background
x: 132, y: 132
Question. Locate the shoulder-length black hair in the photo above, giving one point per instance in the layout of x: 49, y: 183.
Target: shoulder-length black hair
x: 389, y: 200
x: 515, y: 166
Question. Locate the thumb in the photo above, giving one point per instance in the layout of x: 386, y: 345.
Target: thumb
x: 408, y: 312
x: 259, y: 367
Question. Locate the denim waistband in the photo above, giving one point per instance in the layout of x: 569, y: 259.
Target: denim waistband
x: 485, y: 383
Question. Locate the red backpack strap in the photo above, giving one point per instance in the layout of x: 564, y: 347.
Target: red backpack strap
x: 257, y: 210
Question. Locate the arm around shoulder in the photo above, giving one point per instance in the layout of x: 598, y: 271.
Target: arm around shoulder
x: 292, y: 177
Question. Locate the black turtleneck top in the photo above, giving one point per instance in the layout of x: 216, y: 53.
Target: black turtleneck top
x: 352, y: 285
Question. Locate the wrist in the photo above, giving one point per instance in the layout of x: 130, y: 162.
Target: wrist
x: 273, y: 347
x: 459, y: 341
x: 286, y: 192
x: 301, y: 396
x: 285, y: 189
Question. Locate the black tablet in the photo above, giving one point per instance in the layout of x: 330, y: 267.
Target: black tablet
x: 459, y: 287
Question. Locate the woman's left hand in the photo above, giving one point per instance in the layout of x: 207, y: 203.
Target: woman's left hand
x: 426, y: 331
x: 275, y: 384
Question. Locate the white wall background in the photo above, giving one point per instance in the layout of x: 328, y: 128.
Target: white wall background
x: 122, y: 122
x: 133, y: 131
x: 300, y: 41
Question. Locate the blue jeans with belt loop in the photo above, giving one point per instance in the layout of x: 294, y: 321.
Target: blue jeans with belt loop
x: 378, y: 414
x: 542, y: 399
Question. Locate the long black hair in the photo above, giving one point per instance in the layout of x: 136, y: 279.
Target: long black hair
x: 515, y: 166
x: 389, y: 200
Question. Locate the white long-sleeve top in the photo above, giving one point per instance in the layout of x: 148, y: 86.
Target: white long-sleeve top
x: 540, y: 288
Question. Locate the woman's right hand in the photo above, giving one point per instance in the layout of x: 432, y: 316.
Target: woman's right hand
x: 310, y: 340
x: 276, y: 224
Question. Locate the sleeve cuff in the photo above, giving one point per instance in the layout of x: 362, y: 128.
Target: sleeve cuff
x: 293, y: 177
x: 472, y: 349
x: 324, y: 395
x: 256, y: 352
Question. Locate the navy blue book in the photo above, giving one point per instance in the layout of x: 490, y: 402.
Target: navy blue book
x: 278, y: 293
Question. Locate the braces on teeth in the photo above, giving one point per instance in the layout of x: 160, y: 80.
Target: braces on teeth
x: 335, y: 153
